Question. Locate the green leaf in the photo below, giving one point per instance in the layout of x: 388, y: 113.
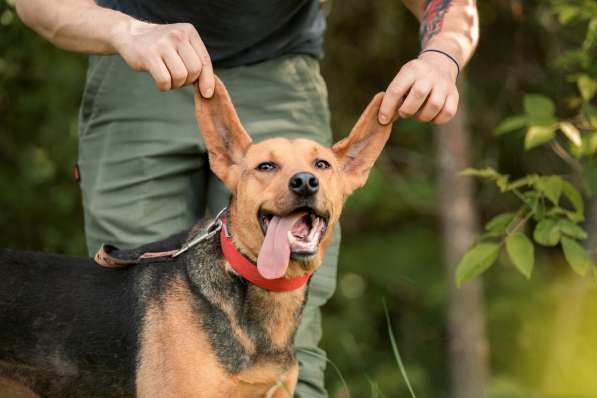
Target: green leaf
x: 567, y: 14
x: 572, y: 133
x: 573, y: 216
x: 538, y: 135
x: 571, y: 229
x: 521, y: 252
x: 590, y: 112
x: 477, y: 260
x: 587, y: 87
x: 570, y: 215
x: 490, y: 235
x: 500, y: 223
x: 576, y: 256
x: 501, y: 180
x: 574, y: 197
x: 535, y: 104
x: 487, y: 172
x: 539, y: 109
x: 502, y: 183
x: 524, y: 181
x: 589, y: 177
x: 511, y: 123
x: 547, y: 232
x: 591, y: 37
x: 551, y: 187
x: 589, y: 144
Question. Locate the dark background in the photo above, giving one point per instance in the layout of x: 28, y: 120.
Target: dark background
x: 541, y: 333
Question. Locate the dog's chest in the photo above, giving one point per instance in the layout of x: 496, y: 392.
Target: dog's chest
x: 182, y: 355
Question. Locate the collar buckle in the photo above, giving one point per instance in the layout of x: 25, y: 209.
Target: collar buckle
x: 212, y: 229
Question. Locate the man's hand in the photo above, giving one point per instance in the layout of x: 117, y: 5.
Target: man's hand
x: 424, y: 88
x: 173, y: 54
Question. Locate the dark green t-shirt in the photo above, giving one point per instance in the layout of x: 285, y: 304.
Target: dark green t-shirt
x: 239, y: 32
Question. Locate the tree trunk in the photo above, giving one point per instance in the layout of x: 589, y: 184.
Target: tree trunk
x: 465, y: 316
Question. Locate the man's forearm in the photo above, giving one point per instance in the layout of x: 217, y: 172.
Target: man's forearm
x: 75, y: 25
x: 173, y: 54
x: 448, y: 25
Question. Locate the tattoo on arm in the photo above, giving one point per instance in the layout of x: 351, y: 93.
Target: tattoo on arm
x: 433, y: 18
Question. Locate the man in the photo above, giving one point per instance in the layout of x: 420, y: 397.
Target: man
x: 144, y: 173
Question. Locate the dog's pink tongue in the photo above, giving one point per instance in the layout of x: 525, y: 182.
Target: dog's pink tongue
x: 274, y: 255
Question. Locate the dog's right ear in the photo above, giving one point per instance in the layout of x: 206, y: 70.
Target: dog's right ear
x: 226, y: 139
x: 358, y: 152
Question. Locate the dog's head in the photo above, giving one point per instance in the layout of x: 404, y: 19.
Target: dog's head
x: 287, y: 194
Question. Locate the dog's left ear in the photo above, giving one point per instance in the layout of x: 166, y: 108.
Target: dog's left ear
x: 357, y: 152
x: 226, y: 139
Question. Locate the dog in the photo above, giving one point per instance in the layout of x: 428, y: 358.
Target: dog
x: 207, y: 313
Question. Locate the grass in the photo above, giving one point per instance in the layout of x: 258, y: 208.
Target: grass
x: 374, y: 386
x: 396, y: 352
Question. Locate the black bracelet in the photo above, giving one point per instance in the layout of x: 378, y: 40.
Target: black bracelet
x: 446, y: 54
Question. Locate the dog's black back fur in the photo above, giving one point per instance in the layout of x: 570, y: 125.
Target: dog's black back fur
x: 69, y: 326
x: 49, y: 314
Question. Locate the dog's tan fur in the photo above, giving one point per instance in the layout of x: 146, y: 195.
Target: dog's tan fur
x: 12, y: 389
x: 171, y: 353
x: 176, y: 359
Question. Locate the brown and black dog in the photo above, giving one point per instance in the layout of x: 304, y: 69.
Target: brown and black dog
x: 192, y: 325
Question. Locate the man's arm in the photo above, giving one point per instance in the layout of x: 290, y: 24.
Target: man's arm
x: 426, y: 86
x: 173, y: 54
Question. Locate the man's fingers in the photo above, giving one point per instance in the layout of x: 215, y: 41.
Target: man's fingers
x: 394, y: 96
x: 157, y: 69
x: 449, y: 109
x: 207, y: 80
x: 423, y: 89
x: 191, y: 61
x: 434, y: 104
x: 415, y: 98
x: 177, y: 68
x: 173, y: 54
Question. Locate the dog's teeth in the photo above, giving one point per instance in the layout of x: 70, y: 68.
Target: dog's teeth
x: 291, y: 239
x: 314, y: 229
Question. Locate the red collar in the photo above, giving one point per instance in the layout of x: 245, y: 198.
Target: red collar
x: 248, y: 269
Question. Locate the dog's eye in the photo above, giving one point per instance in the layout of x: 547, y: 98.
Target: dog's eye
x: 322, y: 164
x: 266, y: 166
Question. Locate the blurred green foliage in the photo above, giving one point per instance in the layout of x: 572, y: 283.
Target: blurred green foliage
x: 40, y: 88
x: 392, y: 243
x: 540, y: 196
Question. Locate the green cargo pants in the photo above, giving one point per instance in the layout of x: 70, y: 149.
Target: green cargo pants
x: 145, y: 174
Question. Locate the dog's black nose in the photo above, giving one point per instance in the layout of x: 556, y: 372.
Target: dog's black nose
x: 304, y: 184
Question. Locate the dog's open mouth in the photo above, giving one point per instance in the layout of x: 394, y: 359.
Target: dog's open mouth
x: 306, y: 229
x: 295, y: 235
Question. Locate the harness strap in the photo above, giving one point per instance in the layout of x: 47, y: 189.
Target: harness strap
x: 168, y: 253
x: 106, y: 255
x: 104, y: 258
